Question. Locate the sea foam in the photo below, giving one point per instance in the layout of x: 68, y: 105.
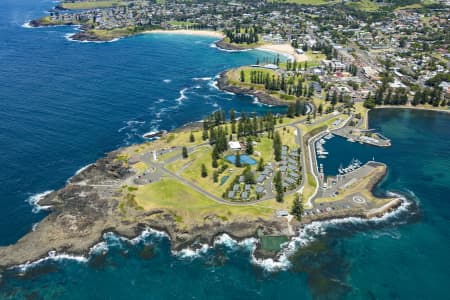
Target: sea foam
x: 34, y: 201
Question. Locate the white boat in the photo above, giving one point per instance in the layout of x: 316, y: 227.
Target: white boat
x: 350, y: 140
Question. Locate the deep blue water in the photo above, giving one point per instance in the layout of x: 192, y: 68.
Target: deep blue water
x: 64, y: 104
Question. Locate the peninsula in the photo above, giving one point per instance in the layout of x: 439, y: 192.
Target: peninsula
x: 246, y: 176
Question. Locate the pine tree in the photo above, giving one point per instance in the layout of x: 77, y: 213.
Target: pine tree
x: 192, y: 138
x: 204, y: 171
x: 237, y: 163
x: 261, y: 165
x: 320, y: 109
x: 184, y: 152
x: 242, y: 76
x: 297, y: 208
x: 216, y: 176
x: 249, y: 147
x: 277, y: 146
x: 278, y: 181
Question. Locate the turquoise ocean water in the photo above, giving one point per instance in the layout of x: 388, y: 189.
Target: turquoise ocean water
x: 64, y: 104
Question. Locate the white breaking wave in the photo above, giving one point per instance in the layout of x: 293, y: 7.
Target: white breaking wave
x: 131, y: 125
x: 167, y: 80
x: 202, y: 78
x: 27, y: 25
x: 189, y: 253
x: 305, y: 236
x: 34, y: 201
x: 82, y: 169
x: 52, y: 256
x: 182, y: 95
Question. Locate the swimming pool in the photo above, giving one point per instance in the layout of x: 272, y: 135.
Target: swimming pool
x: 245, y: 159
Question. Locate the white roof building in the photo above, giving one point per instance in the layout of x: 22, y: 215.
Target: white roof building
x: 234, y: 145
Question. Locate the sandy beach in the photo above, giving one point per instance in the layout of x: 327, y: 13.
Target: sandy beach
x: 284, y: 49
x: 209, y: 33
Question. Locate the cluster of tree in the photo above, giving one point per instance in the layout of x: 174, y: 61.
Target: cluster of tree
x: 429, y: 96
x: 436, y: 80
x: 248, y: 35
x: 251, y: 125
x: 335, y: 98
x: 296, y: 109
x: 390, y: 96
x: 289, y: 85
x: 295, y: 66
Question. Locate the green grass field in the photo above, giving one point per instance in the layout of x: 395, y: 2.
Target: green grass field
x: 92, y: 4
x: 191, y: 206
x: 308, y: 2
x: 364, y: 5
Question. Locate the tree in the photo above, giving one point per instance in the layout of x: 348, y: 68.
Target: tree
x: 204, y: 172
x: 261, y: 165
x: 205, y: 135
x: 369, y: 103
x: 242, y: 76
x: 215, y: 164
x: 184, y: 152
x: 237, y: 163
x: 320, y: 109
x: 249, y: 176
x: 278, y: 181
x: 297, y: 208
x: 277, y: 146
x: 192, y: 138
x: 249, y: 147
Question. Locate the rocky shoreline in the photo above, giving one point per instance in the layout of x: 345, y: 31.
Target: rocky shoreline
x: 222, y: 84
x: 88, y: 206
x: 229, y: 47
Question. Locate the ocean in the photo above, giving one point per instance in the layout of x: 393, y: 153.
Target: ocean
x: 64, y: 104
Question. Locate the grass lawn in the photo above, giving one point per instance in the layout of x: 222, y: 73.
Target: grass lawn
x: 265, y: 148
x: 364, y: 5
x: 92, y: 4
x: 288, y: 137
x: 190, y: 206
x: 181, y: 138
x: 307, y: 2
x: 193, y: 172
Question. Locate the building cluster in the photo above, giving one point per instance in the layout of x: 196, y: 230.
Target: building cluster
x: 410, y: 44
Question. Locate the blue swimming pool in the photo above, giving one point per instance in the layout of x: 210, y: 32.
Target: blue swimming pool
x: 245, y: 159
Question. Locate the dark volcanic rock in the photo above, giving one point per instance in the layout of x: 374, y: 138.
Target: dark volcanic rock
x: 227, y: 46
